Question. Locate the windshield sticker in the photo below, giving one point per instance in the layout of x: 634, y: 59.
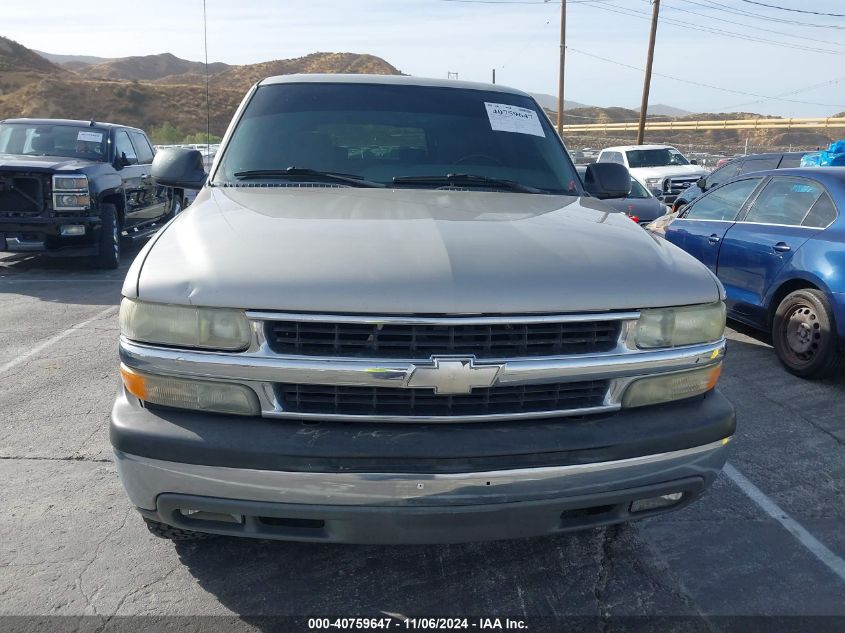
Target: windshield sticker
x: 91, y: 137
x: 508, y: 118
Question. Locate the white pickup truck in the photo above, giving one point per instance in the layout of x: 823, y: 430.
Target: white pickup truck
x: 658, y: 166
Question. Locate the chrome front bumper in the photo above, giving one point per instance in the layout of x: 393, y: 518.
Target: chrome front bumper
x: 145, y: 479
x: 410, y: 508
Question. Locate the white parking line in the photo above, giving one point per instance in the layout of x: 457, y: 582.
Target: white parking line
x: 816, y: 547
x: 54, y: 339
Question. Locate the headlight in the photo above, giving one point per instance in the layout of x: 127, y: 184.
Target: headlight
x: 670, y: 327
x: 70, y: 183
x: 669, y: 387
x: 200, y: 395
x: 184, y: 326
x: 71, y: 193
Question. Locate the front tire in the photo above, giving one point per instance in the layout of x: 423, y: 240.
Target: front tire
x: 804, y: 335
x: 108, y: 255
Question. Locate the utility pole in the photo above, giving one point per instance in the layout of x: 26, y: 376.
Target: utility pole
x: 494, y: 75
x: 560, y: 70
x: 649, y: 61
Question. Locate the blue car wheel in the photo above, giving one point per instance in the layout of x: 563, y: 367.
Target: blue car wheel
x: 804, y: 335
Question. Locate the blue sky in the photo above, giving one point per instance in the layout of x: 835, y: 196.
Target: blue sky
x: 517, y: 37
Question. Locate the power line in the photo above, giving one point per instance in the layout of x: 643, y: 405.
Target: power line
x: 703, y: 85
x: 751, y: 26
x: 712, y: 4
x: 823, y: 84
x: 715, y: 31
x: 774, y: 6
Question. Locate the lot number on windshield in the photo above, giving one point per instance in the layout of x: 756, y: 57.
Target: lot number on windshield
x: 508, y: 118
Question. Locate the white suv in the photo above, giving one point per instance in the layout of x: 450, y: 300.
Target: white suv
x: 658, y: 166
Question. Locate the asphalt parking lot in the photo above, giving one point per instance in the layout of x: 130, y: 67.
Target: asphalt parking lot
x: 768, y: 539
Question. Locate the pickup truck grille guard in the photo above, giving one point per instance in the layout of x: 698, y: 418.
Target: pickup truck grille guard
x: 22, y: 195
x: 409, y: 389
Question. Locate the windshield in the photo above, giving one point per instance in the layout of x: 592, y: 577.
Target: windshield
x: 71, y: 141
x: 381, y: 132
x: 655, y: 158
x: 637, y: 190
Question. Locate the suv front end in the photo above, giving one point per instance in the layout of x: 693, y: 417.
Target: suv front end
x: 348, y: 338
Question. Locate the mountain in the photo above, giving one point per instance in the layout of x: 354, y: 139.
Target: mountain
x: 664, y: 110
x: 549, y: 102
x: 147, y: 91
x: 19, y: 66
x: 67, y: 60
x: 148, y: 68
x: 242, y: 77
x: 153, y: 90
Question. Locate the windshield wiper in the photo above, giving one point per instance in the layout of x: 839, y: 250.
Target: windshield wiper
x: 467, y: 180
x: 308, y: 174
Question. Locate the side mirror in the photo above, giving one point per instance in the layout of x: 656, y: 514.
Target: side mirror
x: 121, y: 161
x: 701, y: 183
x: 607, y: 180
x: 693, y: 162
x: 657, y: 192
x: 178, y: 167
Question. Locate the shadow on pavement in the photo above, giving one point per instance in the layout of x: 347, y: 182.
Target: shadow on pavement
x: 540, y: 576
x: 64, y: 280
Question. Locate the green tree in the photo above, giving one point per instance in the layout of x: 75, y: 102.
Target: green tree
x: 166, y: 134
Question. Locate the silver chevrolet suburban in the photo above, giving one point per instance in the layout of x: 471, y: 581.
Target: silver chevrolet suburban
x: 394, y: 314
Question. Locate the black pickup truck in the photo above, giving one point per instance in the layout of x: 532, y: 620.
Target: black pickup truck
x: 77, y: 188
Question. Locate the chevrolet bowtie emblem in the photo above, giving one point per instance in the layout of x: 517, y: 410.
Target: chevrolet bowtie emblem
x: 453, y: 375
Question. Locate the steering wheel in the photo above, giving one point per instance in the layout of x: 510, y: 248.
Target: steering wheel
x: 487, y: 157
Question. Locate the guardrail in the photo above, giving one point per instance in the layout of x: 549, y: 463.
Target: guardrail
x: 730, y: 124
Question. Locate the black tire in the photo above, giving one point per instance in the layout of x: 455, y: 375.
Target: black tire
x: 804, y: 335
x: 162, y: 530
x: 108, y: 253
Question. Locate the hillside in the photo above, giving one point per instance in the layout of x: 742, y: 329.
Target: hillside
x: 20, y: 66
x: 549, y: 102
x: 728, y: 141
x: 242, y: 77
x: 67, y: 60
x: 154, y: 90
x: 147, y: 68
x: 142, y: 105
x: 148, y: 91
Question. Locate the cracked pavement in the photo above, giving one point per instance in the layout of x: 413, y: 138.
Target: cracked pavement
x: 70, y: 544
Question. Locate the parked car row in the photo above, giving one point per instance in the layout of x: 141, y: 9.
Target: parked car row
x: 734, y: 167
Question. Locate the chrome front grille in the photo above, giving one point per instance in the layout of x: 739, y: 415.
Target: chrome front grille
x: 391, y: 401
x: 423, y: 369
x: 675, y: 186
x: 409, y: 340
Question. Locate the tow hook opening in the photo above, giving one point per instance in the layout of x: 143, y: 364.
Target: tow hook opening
x: 217, y: 517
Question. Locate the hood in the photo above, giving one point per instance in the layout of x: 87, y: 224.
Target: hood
x: 643, y: 208
x: 411, y: 251
x: 667, y: 171
x: 42, y: 163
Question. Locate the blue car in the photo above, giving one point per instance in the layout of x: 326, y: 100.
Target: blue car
x: 776, y: 240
